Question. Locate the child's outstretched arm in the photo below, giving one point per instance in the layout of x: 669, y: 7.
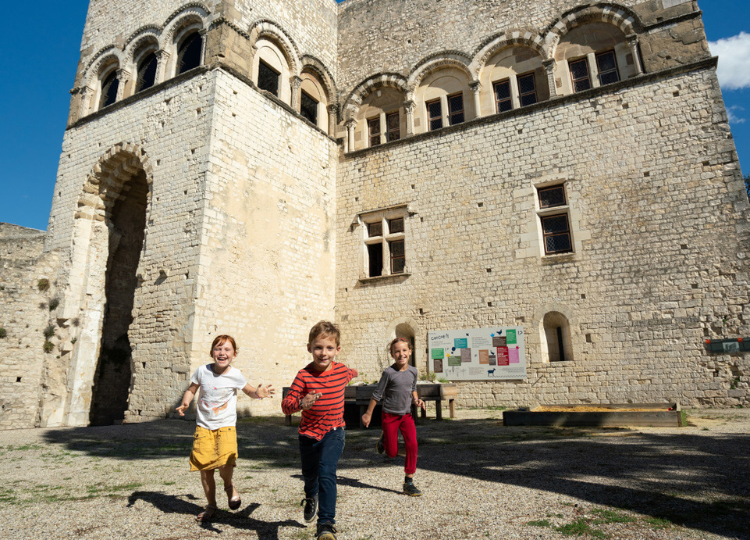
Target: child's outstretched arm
x: 260, y: 392
x: 187, y: 398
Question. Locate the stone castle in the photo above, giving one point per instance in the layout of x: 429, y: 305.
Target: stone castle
x: 399, y: 166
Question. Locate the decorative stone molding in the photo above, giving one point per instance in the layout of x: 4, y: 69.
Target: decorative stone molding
x: 268, y: 29
x: 509, y: 38
x: 357, y: 96
x: 436, y: 63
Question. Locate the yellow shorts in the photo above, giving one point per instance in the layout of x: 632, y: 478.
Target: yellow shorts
x: 213, y: 448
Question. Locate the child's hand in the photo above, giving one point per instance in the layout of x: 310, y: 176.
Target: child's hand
x: 366, y: 419
x: 264, y: 392
x: 309, y: 400
x: 355, y: 373
x: 182, y: 408
x: 420, y: 403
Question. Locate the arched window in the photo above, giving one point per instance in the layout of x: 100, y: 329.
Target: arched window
x: 380, y: 118
x: 556, y: 345
x: 110, y: 84
x: 189, y: 53
x: 146, y: 72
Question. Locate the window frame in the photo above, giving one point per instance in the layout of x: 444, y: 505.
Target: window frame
x: 302, y: 107
x: 615, y: 70
x: 509, y: 99
x: 554, y: 211
x: 451, y: 113
x: 105, y: 88
x: 587, y: 78
x: 389, y: 131
x: 265, y: 65
x: 373, y: 138
x: 521, y: 94
x: 385, y: 240
x: 142, y: 67
x: 438, y: 118
x: 185, y: 43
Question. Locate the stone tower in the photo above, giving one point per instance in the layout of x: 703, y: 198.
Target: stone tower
x: 189, y: 202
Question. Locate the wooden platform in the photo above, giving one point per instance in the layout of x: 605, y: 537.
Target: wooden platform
x: 615, y: 415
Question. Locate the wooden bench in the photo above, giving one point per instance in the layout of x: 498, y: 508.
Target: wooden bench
x: 360, y: 396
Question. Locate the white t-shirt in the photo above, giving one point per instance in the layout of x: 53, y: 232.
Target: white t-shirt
x: 217, y: 402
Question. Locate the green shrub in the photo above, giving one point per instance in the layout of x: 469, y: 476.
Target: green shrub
x: 3, y: 333
x: 49, y: 331
x: 48, y: 346
x: 43, y: 285
x: 53, y: 304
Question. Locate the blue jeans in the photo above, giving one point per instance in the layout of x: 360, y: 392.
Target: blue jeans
x: 319, y: 462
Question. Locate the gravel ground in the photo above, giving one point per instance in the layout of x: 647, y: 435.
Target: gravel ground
x: 479, y: 479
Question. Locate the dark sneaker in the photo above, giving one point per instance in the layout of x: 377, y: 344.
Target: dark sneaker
x: 311, y: 508
x: 381, y: 445
x: 325, y: 531
x: 411, y: 490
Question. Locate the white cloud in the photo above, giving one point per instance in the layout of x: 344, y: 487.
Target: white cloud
x: 732, y: 114
x: 734, y: 61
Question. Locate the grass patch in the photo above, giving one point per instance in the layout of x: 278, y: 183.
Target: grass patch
x: 658, y: 523
x: 539, y: 523
x: 610, y: 516
x: 580, y: 527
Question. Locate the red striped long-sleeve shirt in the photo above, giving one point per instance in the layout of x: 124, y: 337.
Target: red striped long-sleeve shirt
x: 327, y: 413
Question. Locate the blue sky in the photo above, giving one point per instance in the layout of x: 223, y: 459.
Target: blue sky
x: 38, y: 72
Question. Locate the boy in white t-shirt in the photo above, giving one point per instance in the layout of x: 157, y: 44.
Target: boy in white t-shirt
x: 215, y: 442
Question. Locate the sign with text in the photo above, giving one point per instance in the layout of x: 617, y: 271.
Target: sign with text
x: 478, y: 354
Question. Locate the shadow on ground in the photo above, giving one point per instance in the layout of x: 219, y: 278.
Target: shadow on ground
x: 683, y: 477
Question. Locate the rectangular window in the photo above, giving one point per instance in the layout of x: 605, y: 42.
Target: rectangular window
x: 606, y: 63
x: 398, y: 259
x: 434, y: 114
x: 309, y: 108
x: 393, y: 126
x: 373, y: 130
x: 455, y: 109
x: 527, y: 89
x: 375, y: 229
x: 384, y: 242
x: 556, y: 232
x: 552, y: 196
x: 375, y: 255
x: 502, y: 96
x: 579, y: 73
x: 268, y: 78
x: 396, y: 225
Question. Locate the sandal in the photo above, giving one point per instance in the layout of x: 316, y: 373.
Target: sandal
x: 234, y: 502
x: 207, y: 514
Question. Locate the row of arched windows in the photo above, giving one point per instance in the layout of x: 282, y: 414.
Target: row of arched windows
x: 514, y: 76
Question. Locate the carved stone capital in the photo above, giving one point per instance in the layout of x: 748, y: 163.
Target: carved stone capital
x: 475, y: 86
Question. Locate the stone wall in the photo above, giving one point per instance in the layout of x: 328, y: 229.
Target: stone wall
x: 27, y: 285
x: 395, y: 37
x: 659, y: 218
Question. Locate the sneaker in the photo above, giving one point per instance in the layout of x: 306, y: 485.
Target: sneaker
x: 411, y: 490
x: 381, y: 445
x: 325, y: 531
x: 311, y: 508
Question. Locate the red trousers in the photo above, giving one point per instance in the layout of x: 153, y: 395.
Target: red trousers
x: 391, y: 423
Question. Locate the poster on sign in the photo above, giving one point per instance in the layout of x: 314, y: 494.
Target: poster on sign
x: 478, y: 354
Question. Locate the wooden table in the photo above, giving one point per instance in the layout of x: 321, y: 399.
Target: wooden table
x: 360, y: 395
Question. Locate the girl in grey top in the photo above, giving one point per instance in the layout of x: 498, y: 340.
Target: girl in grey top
x: 398, y: 391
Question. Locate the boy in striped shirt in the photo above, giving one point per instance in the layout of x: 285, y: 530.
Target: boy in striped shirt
x: 318, y: 391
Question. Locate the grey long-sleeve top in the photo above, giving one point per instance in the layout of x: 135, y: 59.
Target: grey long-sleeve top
x: 396, y: 387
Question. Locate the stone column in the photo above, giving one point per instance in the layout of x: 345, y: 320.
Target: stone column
x: 515, y: 98
x: 350, y: 125
x: 123, y: 78
x: 296, y: 83
x: 476, y: 87
x: 549, y: 66
x: 162, y: 58
x: 633, y: 43
x: 86, y: 94
x: 203, y: 33
x: 332, y: 110
x: 409, y: 107
x: 593, y: 70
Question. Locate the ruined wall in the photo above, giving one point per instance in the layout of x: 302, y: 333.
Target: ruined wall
x: 27, y: 285
x: 658, y: 207
x: 393, y: 36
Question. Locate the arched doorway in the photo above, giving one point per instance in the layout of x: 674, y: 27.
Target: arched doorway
x: 126, y: 224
